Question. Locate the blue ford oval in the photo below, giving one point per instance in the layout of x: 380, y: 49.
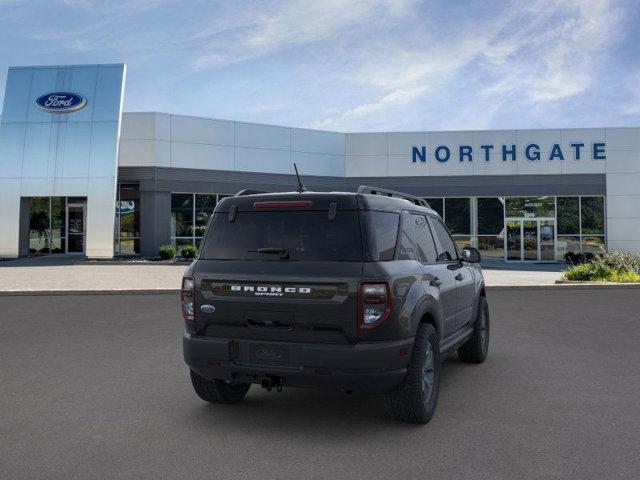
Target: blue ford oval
x: 61, y: 102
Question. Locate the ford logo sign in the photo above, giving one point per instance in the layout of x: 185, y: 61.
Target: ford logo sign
x: 207, y: 308
x: 61, y: 102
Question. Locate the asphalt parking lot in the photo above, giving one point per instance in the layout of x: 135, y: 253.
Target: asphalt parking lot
x: 95, y: 387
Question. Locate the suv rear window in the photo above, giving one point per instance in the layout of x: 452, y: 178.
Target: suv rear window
x: 305, y: 235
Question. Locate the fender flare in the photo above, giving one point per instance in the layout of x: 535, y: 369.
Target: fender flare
x: 431, y: 308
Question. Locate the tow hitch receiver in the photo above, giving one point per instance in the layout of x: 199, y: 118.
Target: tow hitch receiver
x: 270, y: 382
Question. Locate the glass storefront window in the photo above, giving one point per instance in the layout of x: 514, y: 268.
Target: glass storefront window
x: 593, y: 244
x: 48, y: 224
x: 568, y: 215
x: 462, y: 241
x: 491, y: 246
x: 490, y: 216
x: 204, y: 208
x: 530, y: 207
x: 127, y: 226
x: 39, y: 225
x: 181, y: 214
x: 567, y: 244
x: 457, y: 212
x: 190, y: 213
x: 592, y: 214
x: 437, y: 205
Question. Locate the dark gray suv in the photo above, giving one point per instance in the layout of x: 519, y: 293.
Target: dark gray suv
x: 357, y: 291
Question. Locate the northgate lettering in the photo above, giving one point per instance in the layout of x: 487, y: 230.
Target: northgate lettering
x: 531, y: 152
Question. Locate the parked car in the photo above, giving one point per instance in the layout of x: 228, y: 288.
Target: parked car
x: 361, y: 291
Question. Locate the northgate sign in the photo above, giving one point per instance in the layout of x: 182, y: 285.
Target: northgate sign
x: 531, y: 152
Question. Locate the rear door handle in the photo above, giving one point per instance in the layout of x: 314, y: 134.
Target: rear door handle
x: 435, y: 282
x: 459, y: 277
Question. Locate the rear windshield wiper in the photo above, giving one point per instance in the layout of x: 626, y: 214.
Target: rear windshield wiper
x: 283, y: 252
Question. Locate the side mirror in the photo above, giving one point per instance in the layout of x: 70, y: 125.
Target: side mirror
x: 470, y: 255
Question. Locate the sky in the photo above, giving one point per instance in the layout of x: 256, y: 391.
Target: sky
x: 351, y: 65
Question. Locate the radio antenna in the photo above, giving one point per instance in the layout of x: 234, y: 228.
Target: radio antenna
x: 300, y: 185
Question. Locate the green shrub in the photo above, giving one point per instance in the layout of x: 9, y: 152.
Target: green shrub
x: 167, y: 252
x: 607, y: 267
x: 189, y: 252
x: 579, y: 272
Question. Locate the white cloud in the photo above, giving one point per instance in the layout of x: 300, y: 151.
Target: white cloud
x: 349, y: 64
x: 534, y: 55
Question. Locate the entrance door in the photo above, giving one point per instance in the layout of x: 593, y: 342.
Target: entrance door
x: 513, y: 240
x: 75, y: 227
x: 530, y: 240
x: 547, y: 240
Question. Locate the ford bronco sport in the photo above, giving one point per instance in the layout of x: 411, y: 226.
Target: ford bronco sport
x: 361, y: 291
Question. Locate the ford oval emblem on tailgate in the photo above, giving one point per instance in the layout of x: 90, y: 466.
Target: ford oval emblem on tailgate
x: 207, y: 308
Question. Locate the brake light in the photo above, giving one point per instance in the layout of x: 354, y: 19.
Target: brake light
x: 284, y: 204
x: 187, y: 301
x: 374, y: 304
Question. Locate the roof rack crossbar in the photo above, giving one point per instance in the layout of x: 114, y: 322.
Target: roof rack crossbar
x: 249, y: 191
x: 369, y: 190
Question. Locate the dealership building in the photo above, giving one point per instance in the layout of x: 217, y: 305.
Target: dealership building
x: 79, y: 176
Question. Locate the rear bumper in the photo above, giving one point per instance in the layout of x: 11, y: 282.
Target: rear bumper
x: 370, y: 367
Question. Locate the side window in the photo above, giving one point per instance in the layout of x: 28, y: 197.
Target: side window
x: 424, y: 240
x: 448, y: 250
x: 383, y: 232
x: 406, y: 250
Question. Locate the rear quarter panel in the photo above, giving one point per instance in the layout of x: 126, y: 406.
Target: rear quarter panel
x: 411, y: 299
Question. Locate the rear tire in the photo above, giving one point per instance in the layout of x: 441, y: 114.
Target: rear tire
x: 414, y: 401
x: 476, y: 348
x: 218, y: 391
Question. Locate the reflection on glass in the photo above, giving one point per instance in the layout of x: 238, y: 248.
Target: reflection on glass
x: 592, y: 215
x: 490, y: 216
x: 58, y: 244
x: 181, y: 214
x: 530, y: 207
x: 204, y: 208
x: 567, y: 244
x: 514, y: 238
x: 435, y: 204
x: 75, y: 235
x: 491, y: 246
x: 593, y: 244
x: 58, y: 217
x: 462, y: 241
x: 568, y: 216
x: 547, y: 241
x: 129, y: 246
x: 39, y: 225
x: 457, y: 214
x: 181, y: 242
x: 530, y: 240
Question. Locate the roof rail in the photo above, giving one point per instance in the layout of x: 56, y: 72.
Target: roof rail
x: 249, y: 191
x: 384, y: 192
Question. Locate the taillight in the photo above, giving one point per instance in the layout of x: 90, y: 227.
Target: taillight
x: 374, y: 304
x: 186, y: 299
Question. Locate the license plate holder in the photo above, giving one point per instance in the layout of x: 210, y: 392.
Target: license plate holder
x: 269, y: 354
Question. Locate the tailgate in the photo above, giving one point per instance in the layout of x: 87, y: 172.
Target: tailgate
x: 286, y: 301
